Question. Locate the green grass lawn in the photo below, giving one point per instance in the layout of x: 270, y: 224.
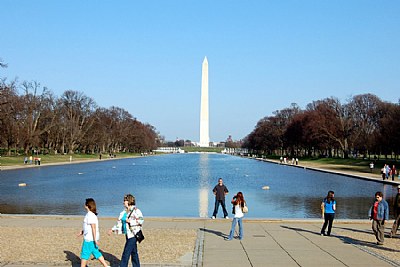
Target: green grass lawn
x: 19, y: 160
x: 350, y: 164
x: 351, y: 161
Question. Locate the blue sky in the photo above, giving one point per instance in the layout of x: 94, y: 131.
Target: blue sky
x: 146, y: 56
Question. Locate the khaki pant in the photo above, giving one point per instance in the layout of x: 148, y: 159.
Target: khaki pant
x: 395, y: 226
x: 379, y: 230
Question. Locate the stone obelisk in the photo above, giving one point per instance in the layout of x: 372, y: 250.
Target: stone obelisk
x: 204, y: 131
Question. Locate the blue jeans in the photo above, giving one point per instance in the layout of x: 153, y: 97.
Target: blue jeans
x: 238, y: 221
x: 130, y: 249
x: 216, y: 206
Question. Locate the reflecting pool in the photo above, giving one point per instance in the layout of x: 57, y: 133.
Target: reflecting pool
x: 180, y: 185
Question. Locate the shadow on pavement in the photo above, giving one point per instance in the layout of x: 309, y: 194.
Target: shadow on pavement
x: 73, y: 258
x: 114, y: 261
x: 353, y: 230
x: 353, y: 241
x: 346, y: 239
x: 217, y: 233
x: 300, y: 230
x: 76, y: 260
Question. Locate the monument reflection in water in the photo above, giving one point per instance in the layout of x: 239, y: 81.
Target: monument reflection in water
x: 180, y: 185
x: 204, y: 185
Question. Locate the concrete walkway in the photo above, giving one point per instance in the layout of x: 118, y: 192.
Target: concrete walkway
x: 285, y: 244
x: 265, y: 243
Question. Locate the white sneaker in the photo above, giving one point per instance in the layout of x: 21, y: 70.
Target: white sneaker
x: 227, y: 217
x: 213, y: 217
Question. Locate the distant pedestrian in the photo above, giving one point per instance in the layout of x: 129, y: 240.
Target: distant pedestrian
x: 297, y: 161
x: 387, y: 171
x: 238, y: 204
x: 220, y: 190
x: 30, y: 160
x: 396, y: 209
x: 328, y: 208
x: 383, y: 172
x: 26, y: 160
x: 379, y: 213
x: 281, y: 159
x: 91, y: 234
x: 393, y: 170
x: 371, y: 166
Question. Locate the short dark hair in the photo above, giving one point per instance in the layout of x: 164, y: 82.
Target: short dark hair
x: 379, y: 193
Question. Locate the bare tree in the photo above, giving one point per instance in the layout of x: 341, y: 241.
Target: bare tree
x: 37, y: 108
x: 9, y: 114
x: 388, y: 138
x: 365, y: 113
x: 335, y: 120
x: 265, y: 138
x: 75, y: 111
x: 282, y: 119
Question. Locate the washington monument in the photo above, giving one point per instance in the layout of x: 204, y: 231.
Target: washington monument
x: 204, y: 132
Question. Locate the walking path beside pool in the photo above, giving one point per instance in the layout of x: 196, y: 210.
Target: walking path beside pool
x: 339, y: 170
x: 265, y: 242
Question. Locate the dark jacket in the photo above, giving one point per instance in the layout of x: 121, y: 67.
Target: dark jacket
x: 220, y: 191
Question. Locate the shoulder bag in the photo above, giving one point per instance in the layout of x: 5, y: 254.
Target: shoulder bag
x: 139, y: 235
x: 245, y: 209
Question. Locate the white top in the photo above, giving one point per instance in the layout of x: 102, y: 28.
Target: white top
x: 90, y: 219
x: 238, y: 211
x: 135, y: 225
x: 136, y: 221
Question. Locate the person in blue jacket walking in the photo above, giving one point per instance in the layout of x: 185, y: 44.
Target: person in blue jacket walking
x: 379, y: 213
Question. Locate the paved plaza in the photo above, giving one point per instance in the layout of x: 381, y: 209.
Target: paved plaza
x: 266, y: 242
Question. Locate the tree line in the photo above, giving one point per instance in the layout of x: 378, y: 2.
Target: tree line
x: 362, y: 126
x: 37, y: 120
